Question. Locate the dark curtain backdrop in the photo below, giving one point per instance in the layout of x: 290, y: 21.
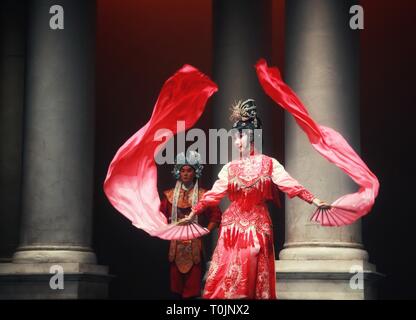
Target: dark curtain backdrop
x: 388, y: 96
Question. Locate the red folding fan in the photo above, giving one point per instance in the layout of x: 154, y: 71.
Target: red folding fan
x: 176, y: 231
x: 334, y: 216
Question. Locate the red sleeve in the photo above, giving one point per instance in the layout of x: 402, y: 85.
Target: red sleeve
x: 199, y: 208
x: 306, y: 196
x: 213, y: 197
x: 214, y: 214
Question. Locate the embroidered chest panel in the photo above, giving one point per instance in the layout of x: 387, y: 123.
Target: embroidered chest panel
x: 247, y: 173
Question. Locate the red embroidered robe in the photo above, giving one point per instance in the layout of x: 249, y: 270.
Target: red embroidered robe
x: 243, y: 263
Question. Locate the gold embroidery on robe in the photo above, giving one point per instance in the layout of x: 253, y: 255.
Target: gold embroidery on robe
x: 183, y: 200
x: 185, y: 253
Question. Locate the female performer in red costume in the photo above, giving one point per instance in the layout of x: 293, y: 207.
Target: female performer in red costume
x: 242, y: 265
x: 243, y: 261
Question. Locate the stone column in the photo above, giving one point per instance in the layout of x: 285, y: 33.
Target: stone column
x: 322, y: 66
x: 242, y: 35
x: 58, y: 155
x: 12, y: 62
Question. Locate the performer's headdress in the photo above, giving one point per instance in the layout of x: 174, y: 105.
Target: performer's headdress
x: 244, y: 116
x: 192, y: 159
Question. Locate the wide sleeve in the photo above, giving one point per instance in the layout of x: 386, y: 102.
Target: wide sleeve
x: 218, y: 191
x: 289, y: 185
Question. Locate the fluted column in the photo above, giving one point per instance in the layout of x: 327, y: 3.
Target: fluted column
x: 322, y: 66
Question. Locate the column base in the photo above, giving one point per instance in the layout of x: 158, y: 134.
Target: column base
x: 33, y: 281
x: 326, y: 280
x: 48, y: 254
x: 323, y: 251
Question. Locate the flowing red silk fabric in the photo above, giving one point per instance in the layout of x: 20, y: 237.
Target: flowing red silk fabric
x: 329, y: 143
x: 131, y: 182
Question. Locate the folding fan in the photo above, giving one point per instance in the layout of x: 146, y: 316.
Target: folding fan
x: 334, y: 216
x: 176, y: 231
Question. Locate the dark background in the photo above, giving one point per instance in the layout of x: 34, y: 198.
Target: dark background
x: 141, y: 43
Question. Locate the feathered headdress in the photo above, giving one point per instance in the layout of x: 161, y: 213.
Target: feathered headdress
x: 244, y: 115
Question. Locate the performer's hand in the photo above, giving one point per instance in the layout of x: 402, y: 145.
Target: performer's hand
x: 321, y: 204
x: 188, y: 219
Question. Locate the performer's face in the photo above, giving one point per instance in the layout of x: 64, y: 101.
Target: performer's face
x: 187, y: 174
x: 241, y: 141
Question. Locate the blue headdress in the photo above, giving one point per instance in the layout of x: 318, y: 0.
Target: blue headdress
x: 192, y: 159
